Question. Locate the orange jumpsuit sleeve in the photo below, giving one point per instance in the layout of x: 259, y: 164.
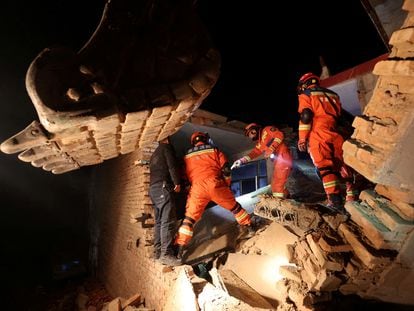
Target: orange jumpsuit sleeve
x: 274, y: 139
x: 256, y: 151
x: 304, y: 129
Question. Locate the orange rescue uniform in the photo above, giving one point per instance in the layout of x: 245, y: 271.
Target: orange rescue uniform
x: 204, y: 164
x: 271, y: 142
x: 324, y: 142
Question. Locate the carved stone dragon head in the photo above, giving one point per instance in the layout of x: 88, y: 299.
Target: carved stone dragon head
x: 145, y: 70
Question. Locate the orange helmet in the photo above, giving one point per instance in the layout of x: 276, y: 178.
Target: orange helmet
x: 307, y: 80
x: 199, y: 136
x: 250, y: 127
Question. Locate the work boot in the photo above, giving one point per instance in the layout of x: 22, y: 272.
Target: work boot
x: 180, y: 251
x: 335, y: 203
x: 170, y: 260
x: 351, y: 198
x: 246, y: 232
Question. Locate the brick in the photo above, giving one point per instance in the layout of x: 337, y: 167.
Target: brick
x: 371, y: 156
x: 376, y: 232
x: 409, y: 21
x: 408, y: 5
x: 394, y: 68
x: 115, y: 305
x: 395, y: 85
x: 327, y: 282
x: 379, y: 140
x: 290, y: 273
x: 403, y: 38
x: 323, y: 262
x: 363, y: 123
x: 351, y: 269
x: 395, y: 194
x: 361, y: 250
x: 238, y: 288
x: 390, y: 218
x: 311, y: 274
x: 405, y: 210
x: 300, y: 252
x: 325, y: 245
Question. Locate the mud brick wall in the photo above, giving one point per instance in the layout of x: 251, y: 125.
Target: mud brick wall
x: 381, y: 148
x: 121, y: 236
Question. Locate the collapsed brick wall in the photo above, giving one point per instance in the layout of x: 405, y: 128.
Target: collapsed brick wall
x: 382, y: 150
x: 381, y: 138
x: 123, y: 246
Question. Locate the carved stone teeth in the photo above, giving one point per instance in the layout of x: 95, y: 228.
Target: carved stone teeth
x: 86, y: 70
x: 73, y: 94
x: 97, y: 88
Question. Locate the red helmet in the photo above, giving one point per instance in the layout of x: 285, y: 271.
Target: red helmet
x: 199, y: 136
x: 307, y: 80
x: 250, y: 127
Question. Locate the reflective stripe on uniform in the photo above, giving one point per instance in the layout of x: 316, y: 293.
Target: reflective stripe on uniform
x: 242, y: 217
x: 185, y: 231
x: 351, y: 192
x: 304, y: 127
x: 330, y: 184
x: 194, y: 153
x: 278, y: 194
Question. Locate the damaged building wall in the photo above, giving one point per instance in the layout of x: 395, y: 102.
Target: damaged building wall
x: 122, y: 221
x: 375, y: 245
x: 381, y: 243
x: 381, y: 149
x: 122, y: 233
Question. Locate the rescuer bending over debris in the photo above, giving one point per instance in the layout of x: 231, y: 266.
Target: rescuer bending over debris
x: 270, y: 142
x: 209, y: 174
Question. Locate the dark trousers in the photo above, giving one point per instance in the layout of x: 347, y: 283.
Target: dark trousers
x: 162, y: 197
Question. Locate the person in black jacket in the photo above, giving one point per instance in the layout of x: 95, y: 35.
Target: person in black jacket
x: 164, y: 184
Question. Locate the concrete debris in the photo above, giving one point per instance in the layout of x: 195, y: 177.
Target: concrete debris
x: 288, y: 212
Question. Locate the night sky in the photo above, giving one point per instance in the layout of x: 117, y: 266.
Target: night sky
x: 265, y: 49
x: 262, y: 59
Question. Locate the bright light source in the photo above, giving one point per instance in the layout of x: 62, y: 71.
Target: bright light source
x: 270, y: 271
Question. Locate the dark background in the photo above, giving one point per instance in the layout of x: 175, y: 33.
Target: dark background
x: 265, y: 49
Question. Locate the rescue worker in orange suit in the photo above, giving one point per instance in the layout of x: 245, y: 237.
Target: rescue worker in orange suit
x: 270, y: 142
x: 209, y: 174
x: 319, y: 110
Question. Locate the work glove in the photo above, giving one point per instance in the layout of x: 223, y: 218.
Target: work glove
x: 236, y: 164
x: 303, y: 145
